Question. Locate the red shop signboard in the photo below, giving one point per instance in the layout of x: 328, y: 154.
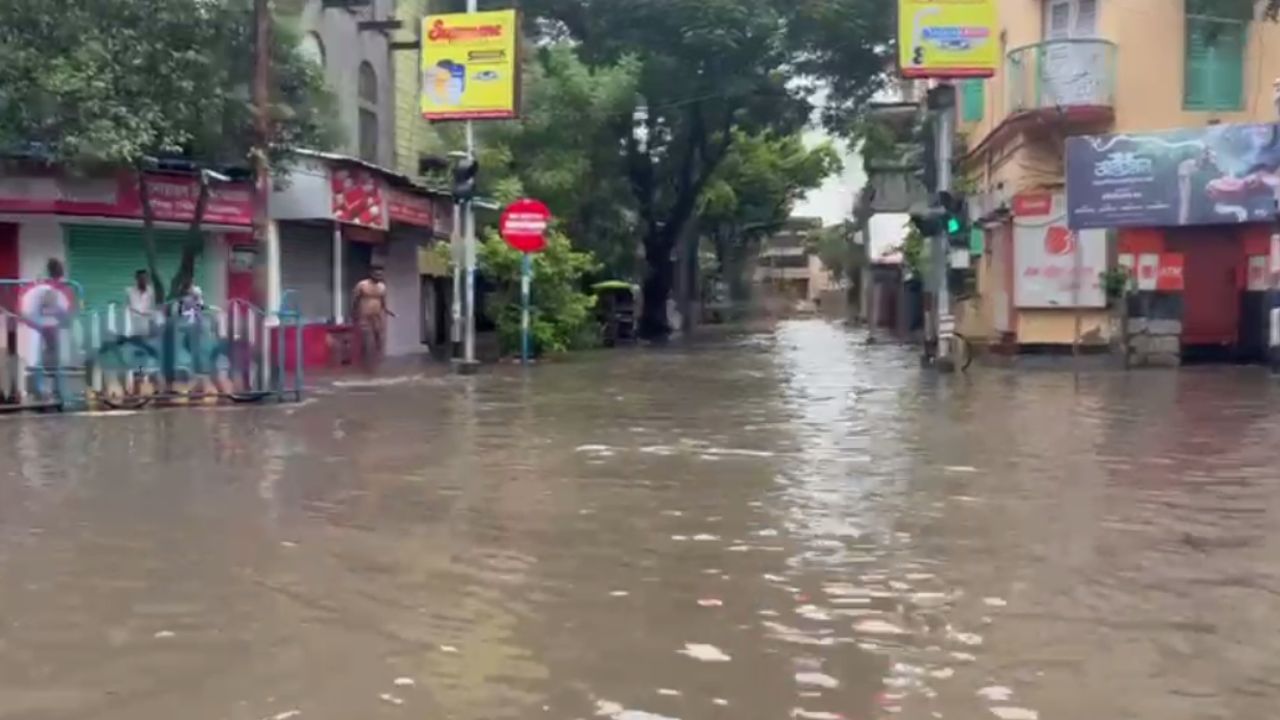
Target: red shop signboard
x: 173, y: 198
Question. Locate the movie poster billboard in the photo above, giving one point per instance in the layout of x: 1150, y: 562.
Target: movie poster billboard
x: 1221, y: 174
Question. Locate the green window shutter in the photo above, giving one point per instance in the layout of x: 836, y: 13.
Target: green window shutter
x: 103, y: 259
x: 972, y: 100
x: 1214, y: 64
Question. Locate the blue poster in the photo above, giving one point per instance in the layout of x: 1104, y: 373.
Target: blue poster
x: 1221, y: 174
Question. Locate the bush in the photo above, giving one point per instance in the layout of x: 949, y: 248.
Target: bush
x: 561, y: 315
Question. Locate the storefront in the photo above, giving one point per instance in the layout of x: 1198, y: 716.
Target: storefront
x: 94, y: 226
x: 1194, y: 210
x: 338, y: 218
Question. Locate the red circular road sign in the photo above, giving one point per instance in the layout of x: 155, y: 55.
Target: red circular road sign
x: 524, y: 225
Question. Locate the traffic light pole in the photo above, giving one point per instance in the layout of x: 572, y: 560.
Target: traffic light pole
x: 944, y: 321
x: 467, y: 364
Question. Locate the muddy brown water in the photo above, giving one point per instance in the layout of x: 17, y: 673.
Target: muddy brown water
x: 787, y: 524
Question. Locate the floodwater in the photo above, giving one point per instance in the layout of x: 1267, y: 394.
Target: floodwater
x: 788, y: 524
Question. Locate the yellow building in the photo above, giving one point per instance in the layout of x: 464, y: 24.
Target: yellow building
x: 1091, y: 67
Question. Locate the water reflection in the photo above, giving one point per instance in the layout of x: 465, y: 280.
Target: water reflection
x: 789, y: 524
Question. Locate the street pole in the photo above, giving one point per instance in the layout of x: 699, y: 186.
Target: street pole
x: 946, y: 123
x: 526, y: 276
x: 469, y: 341
x: 264, y: 238
x: 456, y: 250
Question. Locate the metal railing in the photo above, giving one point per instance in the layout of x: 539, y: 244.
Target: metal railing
x: 1061, y: 74
x: 117, y: 358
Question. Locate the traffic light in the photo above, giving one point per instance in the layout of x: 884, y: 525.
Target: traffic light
x: 464, y: 180
x: 929, y: 219
x: 956, y: 218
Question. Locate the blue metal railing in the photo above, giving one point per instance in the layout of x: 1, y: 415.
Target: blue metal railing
x: 114, y: 356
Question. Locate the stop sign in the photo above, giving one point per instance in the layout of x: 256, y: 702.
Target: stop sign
x: 524, y: 225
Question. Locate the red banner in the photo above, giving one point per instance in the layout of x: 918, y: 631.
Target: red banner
x: 408, y: 208
x: 358, y: 197
x: 173, y: 198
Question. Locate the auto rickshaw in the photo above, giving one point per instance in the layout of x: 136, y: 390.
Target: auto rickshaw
x: 616, y: 311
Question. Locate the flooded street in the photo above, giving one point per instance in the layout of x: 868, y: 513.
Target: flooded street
x: 789, y: 524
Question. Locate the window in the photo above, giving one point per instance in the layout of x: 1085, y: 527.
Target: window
x: 367, y: 91
x: 972, y: 100
x: 1066, y: 19
x: 1213, y: 65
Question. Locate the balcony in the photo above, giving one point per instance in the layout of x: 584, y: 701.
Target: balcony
x: 1072, y: 79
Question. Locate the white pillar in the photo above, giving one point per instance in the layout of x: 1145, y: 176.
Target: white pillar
x: 274, y: 289
x: 338, y: 281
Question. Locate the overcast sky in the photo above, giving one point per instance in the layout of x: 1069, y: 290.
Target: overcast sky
x: 833, y: 202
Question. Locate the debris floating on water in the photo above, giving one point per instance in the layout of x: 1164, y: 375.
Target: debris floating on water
x: 995, y: 693
x: 710, y: 602
x: 164, y: 634
x: 1014, y: 713
x: 817, y: 679
x: 995, y: 602
x: 448, y: 649
x: 389, y: 698
x: 403, y: 682
x: 704, y: 652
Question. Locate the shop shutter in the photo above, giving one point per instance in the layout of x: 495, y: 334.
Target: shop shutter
x: 1214, y: 64
x: 306, y: 268
x: 103, y: 259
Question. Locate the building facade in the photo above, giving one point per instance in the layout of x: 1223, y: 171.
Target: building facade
x: 1116, y: 68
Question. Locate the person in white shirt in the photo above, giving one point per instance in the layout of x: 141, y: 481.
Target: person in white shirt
x: 142, y: 302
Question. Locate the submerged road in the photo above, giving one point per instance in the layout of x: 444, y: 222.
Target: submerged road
x: 787, y: 524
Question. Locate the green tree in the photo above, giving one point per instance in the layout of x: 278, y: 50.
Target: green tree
x: 708, y: 71
x: 561, y: 315
x: 564, y: 150
x: 121, y: 83
x: 753, y: 193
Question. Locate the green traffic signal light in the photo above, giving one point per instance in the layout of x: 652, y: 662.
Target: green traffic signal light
x: 953, y: 224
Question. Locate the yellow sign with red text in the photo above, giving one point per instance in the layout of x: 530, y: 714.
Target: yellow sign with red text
x: 470, y: 68
x: 947, y: 38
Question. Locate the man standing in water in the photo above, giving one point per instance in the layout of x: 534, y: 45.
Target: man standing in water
x: 369, y: 308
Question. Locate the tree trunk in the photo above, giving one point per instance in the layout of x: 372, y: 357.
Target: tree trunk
x: 149, y: 235
x: 659, y: 274
x: 193, y: 248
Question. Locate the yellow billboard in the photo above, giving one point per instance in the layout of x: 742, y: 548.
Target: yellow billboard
x: 470, y: 68
x: 947, y: 38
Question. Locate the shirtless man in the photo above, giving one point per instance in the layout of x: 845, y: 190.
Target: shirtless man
x: 369, y: 308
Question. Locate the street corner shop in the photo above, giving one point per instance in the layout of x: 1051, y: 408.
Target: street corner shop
x: 93, y: 225
x: 1193, y: 212
x: 334, y: 218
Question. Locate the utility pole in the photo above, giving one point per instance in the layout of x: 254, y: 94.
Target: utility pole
x: 468, y: 364
x: 263, y: 232
x: 943, y: 101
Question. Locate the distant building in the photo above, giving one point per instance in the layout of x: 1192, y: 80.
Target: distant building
x: 789, y: 264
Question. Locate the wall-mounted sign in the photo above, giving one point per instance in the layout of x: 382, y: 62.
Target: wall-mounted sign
x: 173, y: 197
x: 947, y: 38
x: 1056, y: 267
x: 358, y: 198
x: 1221, y: 174
x: 470, y: 68
x: 407, y: 208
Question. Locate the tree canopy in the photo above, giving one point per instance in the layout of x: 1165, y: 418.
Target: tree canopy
x: 709, y: 71
x: 118, y: 83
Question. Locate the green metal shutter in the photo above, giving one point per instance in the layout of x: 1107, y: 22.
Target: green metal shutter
x: 103, y: 259
x: 1214, y: 64
x: 972, y: 100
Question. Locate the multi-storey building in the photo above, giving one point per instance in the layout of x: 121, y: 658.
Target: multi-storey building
x: 1121, y: 68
